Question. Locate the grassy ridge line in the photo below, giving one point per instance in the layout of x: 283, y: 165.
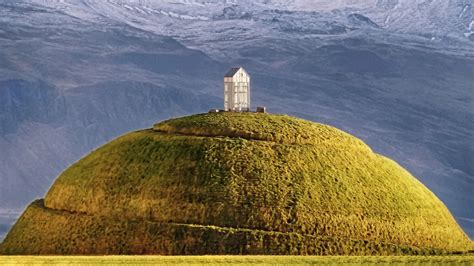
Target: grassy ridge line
x: 239, y: 260
x: 413, y: 249
x: 90, y: 235
x: 281, y: 129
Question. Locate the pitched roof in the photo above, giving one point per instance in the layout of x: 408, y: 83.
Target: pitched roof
x: 232, y: 72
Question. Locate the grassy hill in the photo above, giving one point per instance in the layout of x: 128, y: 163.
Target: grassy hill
x: 236, y: 183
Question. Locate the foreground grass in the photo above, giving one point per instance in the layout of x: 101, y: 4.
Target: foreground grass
x: 242, y: 260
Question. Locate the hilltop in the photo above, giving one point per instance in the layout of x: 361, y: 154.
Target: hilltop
x: 236, y: 183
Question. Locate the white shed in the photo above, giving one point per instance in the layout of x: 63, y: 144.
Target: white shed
x: 237, y: 90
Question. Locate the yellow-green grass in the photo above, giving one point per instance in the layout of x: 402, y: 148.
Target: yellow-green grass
x: 237, y: 183
x: 238, y: 260
x: 88, y: 234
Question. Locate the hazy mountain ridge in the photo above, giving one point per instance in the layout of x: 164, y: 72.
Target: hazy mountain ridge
x: 74, y: 74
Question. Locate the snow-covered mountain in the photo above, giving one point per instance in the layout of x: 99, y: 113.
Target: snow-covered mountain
x: 435, y: 17
x: 397, y: 73
x: 438, y: 18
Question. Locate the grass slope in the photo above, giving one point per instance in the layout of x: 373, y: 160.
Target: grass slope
x: 239, y: 260
x: 237, y: 183
x: 97, y: 235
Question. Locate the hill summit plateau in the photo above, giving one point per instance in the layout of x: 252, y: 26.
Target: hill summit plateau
x: 236, y: 183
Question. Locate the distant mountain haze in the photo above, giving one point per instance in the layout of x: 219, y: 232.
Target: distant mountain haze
x: 397, y: 74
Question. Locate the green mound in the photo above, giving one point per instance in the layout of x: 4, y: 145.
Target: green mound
x: 236, y: 183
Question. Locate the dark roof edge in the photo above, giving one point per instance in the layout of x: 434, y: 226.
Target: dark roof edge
x: 232, y: 72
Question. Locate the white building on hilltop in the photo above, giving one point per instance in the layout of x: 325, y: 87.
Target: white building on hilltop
x: 237, y: 90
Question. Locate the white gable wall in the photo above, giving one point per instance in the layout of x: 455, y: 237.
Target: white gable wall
x: 237, y: 92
